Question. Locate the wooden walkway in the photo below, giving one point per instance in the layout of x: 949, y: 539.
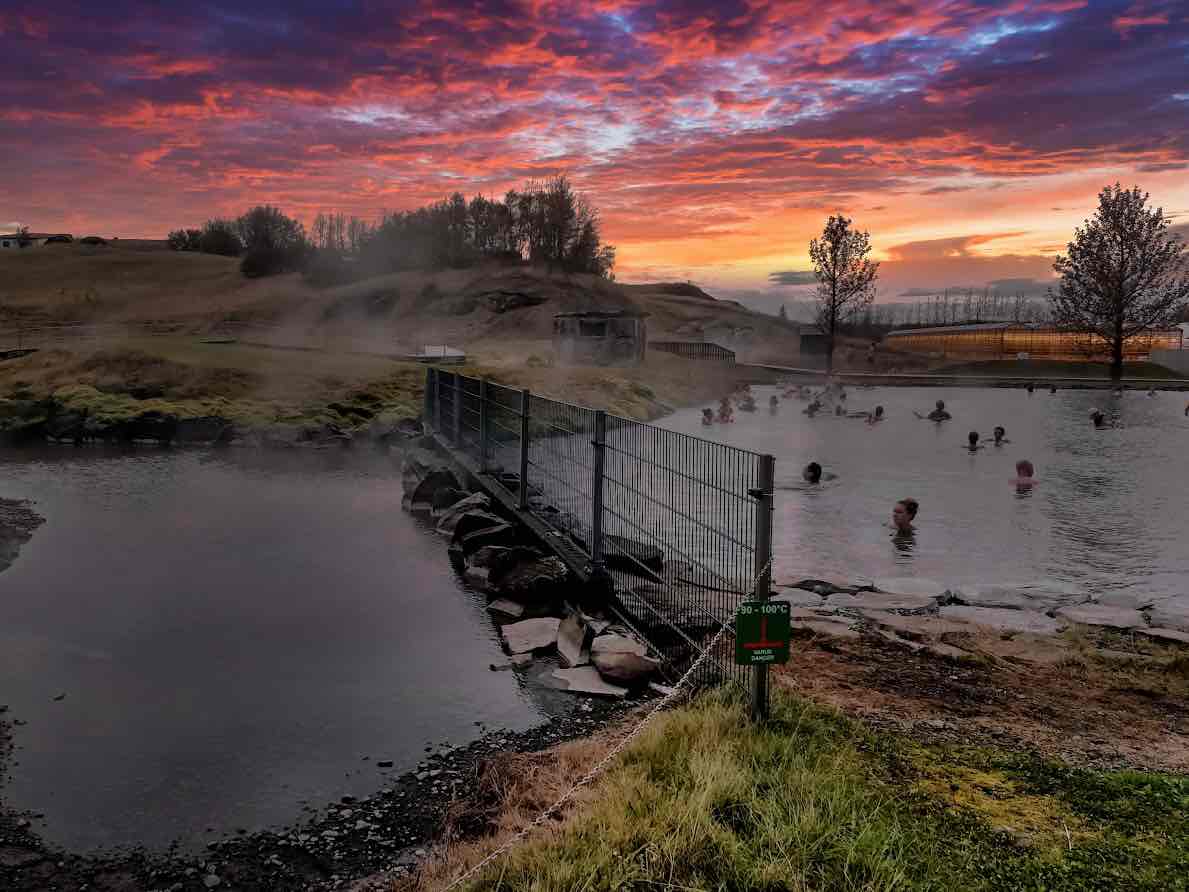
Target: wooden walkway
x: 930, y: 379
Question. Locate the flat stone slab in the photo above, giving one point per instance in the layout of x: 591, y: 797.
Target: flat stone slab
x: 505, y: 607
x: 571, y: 641
x: 531, y: 634
x: 1170, y: 615
x: 1005, y: 620
x: 1103, y: 615
x: 796, y: 597
x: 907, y: 585
x: 997, y: 596
x: 1173, y: 635
x: 880, y: 601
x: 449, y: 518
x: 915, y: 626
x: 827, y: 628
x: 586, y: 680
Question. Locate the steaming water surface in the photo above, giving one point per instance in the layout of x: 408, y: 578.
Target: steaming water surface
x: 234, y: 632
x: 1109, y: 517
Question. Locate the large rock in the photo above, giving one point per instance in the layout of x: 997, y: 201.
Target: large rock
x: 67, y: 427
x: 419, y: 490
x: 444, y: 499
x: 531, y: 634
x: 1005, y: 620
x: 466, y: 521
x: 534, y: 581
x: 621, y: 659
x: 17, y: 523
x: 501, y: 534
x: 881, y: 601
x: 449, y: 517
x: 1103, y: 615
x: 586, y: 680
x: 207, y: 429
x: 631, y: 555
x: 504, y: 607
x: 1171, y: 615
x: 156, y: 427
x: 572, y: 636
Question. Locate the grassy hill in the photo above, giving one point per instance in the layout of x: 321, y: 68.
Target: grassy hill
x: 197, y: 292
x: 122, y: 331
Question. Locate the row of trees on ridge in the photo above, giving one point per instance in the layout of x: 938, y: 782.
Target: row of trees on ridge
x: 546, y: 222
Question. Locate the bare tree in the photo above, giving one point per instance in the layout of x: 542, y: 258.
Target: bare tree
x: 1125, y: 273
x: 845, y: 276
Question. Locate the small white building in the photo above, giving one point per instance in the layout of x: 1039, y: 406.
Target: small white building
x: 16, y: 240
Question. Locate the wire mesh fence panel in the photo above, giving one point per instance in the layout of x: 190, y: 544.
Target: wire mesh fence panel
x: 672, y: 517
x: 561, y: 466
x: 679, y: 534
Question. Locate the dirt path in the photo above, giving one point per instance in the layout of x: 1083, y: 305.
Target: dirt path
x: 1086, y: 710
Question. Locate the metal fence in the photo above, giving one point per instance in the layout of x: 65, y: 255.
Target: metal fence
x: 694, y: 350
x: 681, y: 526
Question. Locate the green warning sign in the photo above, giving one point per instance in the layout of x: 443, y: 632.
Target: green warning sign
x: 762, y: 632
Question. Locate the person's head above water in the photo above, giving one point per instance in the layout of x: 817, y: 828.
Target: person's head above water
x: 1000, y: 433
x: 972, y: 439
x: 904, y: 514
x: 1024, y: 468
x: 941, y: 405
x: 812, y: 472
x: 879, y: 411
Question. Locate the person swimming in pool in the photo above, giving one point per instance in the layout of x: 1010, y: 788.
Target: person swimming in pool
x: 726, y: 414
x: 972, y: 441
x: 813, y: 473
x: 939, y: 413
x: 1024, y: 478
x: 876, y: 416
x: 999, y: 436
x: 773, y: 404
x: 707, y: 417
x: 903, y: 514
x: 813, y: 408
x: 1099, y: 418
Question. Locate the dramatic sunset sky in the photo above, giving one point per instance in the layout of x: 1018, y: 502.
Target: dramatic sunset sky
x: 968, y: 137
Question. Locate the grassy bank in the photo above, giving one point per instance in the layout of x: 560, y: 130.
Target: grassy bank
x: 816, y: 801
x: 259, y: 388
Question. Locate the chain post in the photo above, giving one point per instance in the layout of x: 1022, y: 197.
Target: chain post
x: 483, y: 426
x: 763, y: 582
x: 598, y: 564
x: 522, y: 501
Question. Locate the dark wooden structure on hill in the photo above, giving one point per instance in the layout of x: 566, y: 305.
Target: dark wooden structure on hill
x: 601, y: 337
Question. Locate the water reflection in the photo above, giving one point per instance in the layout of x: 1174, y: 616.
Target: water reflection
x: 234, y: 631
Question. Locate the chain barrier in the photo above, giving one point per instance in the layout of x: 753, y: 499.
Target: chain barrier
x: 604, y: 762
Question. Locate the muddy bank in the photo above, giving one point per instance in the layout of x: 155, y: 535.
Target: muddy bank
x: 388, y: 831
x: 18, y: 521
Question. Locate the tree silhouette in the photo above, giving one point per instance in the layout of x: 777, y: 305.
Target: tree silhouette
x: 845, y: 277
x: 1124, y: 272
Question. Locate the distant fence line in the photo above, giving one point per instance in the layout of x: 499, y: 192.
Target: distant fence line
x: 694, y: 350
x: 680, y: 525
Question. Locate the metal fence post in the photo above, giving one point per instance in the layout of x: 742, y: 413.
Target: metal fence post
x: 525, y: 396
x: 427, y: 411
x: 457, y: 407
x: 483, y: 426
x: 437, y: 401
x: 763, y: 569
x: 598, y: 565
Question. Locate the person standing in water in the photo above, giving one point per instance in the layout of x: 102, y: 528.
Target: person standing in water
x: 903, y: 514
x: 938, y: 414
x: 999, y: 436
x: 813, y: 473
x: 972, y: 441
x: 1024, y: 478
x: 707, y: 416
